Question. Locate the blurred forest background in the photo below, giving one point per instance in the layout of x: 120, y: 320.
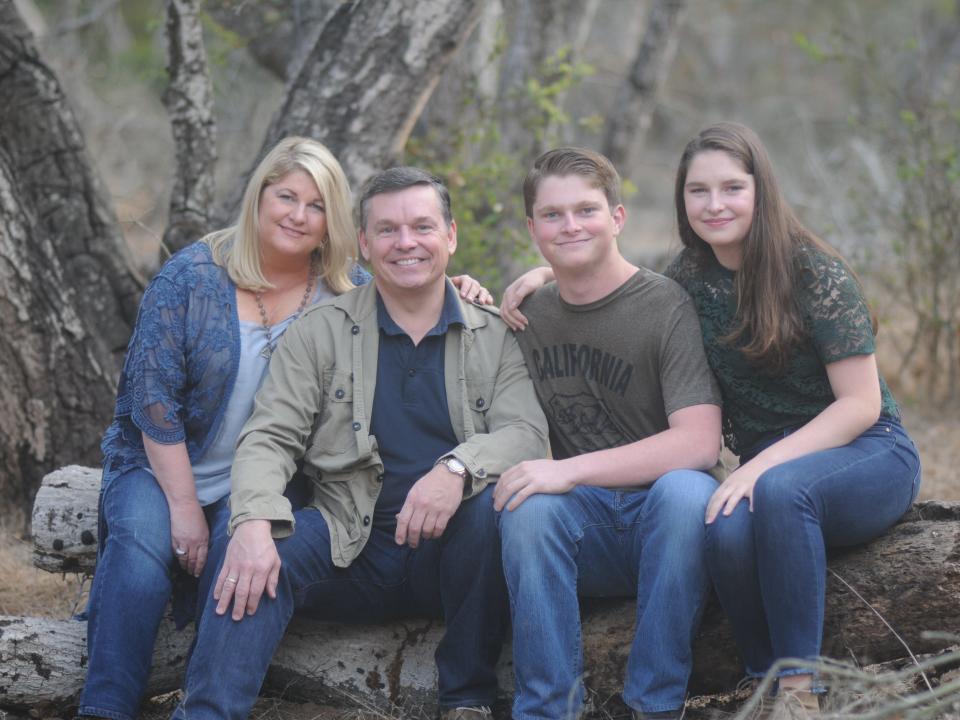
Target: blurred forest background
x: 127, y: 129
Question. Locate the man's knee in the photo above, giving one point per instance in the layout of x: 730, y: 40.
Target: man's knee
x: 537, y: 522
x: 684, y: 493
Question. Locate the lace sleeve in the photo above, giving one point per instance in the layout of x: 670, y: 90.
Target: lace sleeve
x: 155, y: 368
x: 686, y: 270
x: 839, y: 319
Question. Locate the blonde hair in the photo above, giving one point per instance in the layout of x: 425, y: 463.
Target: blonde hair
x: 237, y: 248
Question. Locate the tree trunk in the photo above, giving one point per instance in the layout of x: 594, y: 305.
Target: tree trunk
x: 364, y: 79
x: 67, y: 293
x: 632, y: 111
x: 538, y: 30
x: 910, y: 576
x: 189, y: 100
x: 271, y: 29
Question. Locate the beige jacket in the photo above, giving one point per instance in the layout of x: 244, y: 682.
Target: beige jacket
x: 317, y: 400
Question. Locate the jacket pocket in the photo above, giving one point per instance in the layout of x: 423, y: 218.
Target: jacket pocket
x: 334, y: 433
x: 479, y: 397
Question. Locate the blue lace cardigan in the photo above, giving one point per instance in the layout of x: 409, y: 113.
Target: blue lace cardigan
x: 181, y: 362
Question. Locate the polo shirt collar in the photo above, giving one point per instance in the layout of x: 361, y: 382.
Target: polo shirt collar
x: 450, y: 314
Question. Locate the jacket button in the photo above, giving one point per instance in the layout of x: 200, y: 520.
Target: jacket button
x: 356, y: 426
x: 380, y: 477
x: 481, y: 473
x: 480, y: 402
x: 355, y: 329
x: 339, y: 394
x: 366, y: 519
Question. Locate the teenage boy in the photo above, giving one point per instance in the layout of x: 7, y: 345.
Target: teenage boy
x: 617, y: 361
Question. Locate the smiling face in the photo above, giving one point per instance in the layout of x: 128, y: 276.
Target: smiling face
x: 407, y: 241
x: 719, y: 198
x: 573, y: 224
x: 292, y: 219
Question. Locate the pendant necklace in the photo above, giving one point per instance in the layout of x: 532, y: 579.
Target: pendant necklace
x: 271, y: 346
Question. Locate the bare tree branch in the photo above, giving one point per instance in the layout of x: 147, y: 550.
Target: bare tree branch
x: 189, y: 100
x: 636, y: 99
x: 365, y: 78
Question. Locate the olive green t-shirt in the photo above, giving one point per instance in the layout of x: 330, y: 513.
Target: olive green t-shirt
x: 758, y: 404
x: 609, y: 372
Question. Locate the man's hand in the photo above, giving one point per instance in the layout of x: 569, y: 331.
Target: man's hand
x: 251, y: 565
x: 430, y: 504
x: 528, y: 478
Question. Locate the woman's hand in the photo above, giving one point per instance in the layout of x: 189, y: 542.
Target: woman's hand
x: 190, y: 535
x: 526, y: 284
x: 738, y: 485
x: 189, y: 532
x: 471, y: 290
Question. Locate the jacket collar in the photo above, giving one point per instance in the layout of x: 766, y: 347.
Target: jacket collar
x: 359, y: 304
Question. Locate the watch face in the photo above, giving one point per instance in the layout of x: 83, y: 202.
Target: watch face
x: 455, y: 465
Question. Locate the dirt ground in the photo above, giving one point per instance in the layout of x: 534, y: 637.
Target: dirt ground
x: 28, y: 591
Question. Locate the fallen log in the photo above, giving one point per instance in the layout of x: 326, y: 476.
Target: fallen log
x: 903, y: 584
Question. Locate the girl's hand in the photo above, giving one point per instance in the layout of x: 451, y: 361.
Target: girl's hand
x: 471, y: 290
x: 190, y: 535
x: 526, y: 284
x: 738, y: 485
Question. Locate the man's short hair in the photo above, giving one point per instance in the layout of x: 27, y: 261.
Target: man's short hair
x: 593, y: 167
x: 400, y: 178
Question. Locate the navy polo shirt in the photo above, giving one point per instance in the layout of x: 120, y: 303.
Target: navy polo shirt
x: 411, y: 418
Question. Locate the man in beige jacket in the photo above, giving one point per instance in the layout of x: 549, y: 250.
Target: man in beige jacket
x: 404, y: 405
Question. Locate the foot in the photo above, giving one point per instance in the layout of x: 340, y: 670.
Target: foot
x: 795, y: 705
x: 481, y: 712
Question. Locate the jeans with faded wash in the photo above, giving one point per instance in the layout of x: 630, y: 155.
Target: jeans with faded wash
x: 600, y: 542
x: 769, y: 566
x: 136, y: 572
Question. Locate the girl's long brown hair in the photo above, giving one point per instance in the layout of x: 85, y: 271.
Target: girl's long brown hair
x: 768, y: 320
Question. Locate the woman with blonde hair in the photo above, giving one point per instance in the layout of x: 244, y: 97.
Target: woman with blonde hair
x: 207, y: 326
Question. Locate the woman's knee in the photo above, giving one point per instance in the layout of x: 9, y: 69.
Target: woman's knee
x: 730, y: 536
x: 137, y: 517
x: 780, y: 490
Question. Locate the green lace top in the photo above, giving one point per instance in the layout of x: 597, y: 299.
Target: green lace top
x: 758, y: 404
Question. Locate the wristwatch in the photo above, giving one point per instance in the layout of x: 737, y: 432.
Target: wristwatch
x: 454, y: 466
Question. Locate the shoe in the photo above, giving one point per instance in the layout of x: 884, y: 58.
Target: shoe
x: 665, y: 715
x: 481, y: 712
x: 795, y: 705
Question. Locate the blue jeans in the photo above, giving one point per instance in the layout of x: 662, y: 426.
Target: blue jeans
x: 646, y: 544
x: 769, y: 567
x: 131, y: 588
x: 456, y: 577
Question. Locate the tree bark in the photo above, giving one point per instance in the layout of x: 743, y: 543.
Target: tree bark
x: 189, y: 100
x: 67, y: 293
x: 538, y: 29
x: 632, y: 111
x: 364, y: 80
x: 910, y: 576
x: 272, y: 29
